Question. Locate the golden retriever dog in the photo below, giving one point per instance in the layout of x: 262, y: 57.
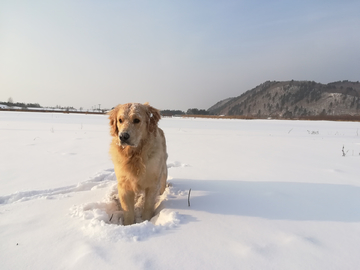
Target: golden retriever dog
x: 138, y: 151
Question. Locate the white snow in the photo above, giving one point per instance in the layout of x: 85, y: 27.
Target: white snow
x: 265, y: 194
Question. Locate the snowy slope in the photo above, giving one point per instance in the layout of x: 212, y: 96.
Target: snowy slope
x: 265, y: 195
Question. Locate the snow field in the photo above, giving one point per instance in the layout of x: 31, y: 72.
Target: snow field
x: 266, y: 194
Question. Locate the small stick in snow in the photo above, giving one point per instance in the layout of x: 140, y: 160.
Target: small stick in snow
x: 111, y: 217
x: 189, y: 197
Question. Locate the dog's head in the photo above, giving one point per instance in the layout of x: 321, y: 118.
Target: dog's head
x: 132, y: 122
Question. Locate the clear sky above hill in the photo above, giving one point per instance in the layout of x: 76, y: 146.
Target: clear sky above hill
x: 173, y: 54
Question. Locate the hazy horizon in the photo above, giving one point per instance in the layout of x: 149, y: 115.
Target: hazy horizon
x: 174, y: 55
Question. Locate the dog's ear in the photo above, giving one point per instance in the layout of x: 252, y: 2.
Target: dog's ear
x: 153, y: 116
x: 113, y: 121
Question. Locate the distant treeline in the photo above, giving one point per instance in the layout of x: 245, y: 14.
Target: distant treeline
x: 24, y: 106
x: 21, y: 105
x: 192, y: 111
x: 171, y: 112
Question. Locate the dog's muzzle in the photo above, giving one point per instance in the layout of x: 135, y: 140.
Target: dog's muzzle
x: 124, y: 137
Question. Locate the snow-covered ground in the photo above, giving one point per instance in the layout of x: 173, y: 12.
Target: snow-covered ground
x: 265, y: 194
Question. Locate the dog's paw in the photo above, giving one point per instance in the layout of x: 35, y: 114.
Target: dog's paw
x: 117, y: 217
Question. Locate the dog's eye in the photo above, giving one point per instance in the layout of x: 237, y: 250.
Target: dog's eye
x: 136, y: 121
x: 120, y: 121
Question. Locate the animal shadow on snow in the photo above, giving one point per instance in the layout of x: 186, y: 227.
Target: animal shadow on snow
x: 272, y: 200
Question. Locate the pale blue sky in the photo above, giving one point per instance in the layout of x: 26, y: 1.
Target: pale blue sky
x: 173, y: 54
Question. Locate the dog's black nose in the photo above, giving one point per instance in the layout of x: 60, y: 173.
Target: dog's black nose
x: 124, y: 136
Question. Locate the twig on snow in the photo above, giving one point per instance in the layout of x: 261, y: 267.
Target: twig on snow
x: 189, y: 197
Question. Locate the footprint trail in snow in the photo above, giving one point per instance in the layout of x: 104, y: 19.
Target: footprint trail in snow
x: 103, y: 219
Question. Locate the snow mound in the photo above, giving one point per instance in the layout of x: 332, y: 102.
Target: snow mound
x: 103, y: 220
x: 172, y: 164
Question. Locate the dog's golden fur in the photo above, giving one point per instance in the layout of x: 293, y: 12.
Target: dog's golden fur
x: 138, y: 151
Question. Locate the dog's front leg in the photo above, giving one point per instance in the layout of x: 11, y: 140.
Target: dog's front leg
x: 127, y: 200
x: 149, y: 204
x: 163, y: 179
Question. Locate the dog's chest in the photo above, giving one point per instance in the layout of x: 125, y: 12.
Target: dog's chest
x: 141, y: 168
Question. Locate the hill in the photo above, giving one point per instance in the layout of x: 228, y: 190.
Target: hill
x: 293, y: 99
